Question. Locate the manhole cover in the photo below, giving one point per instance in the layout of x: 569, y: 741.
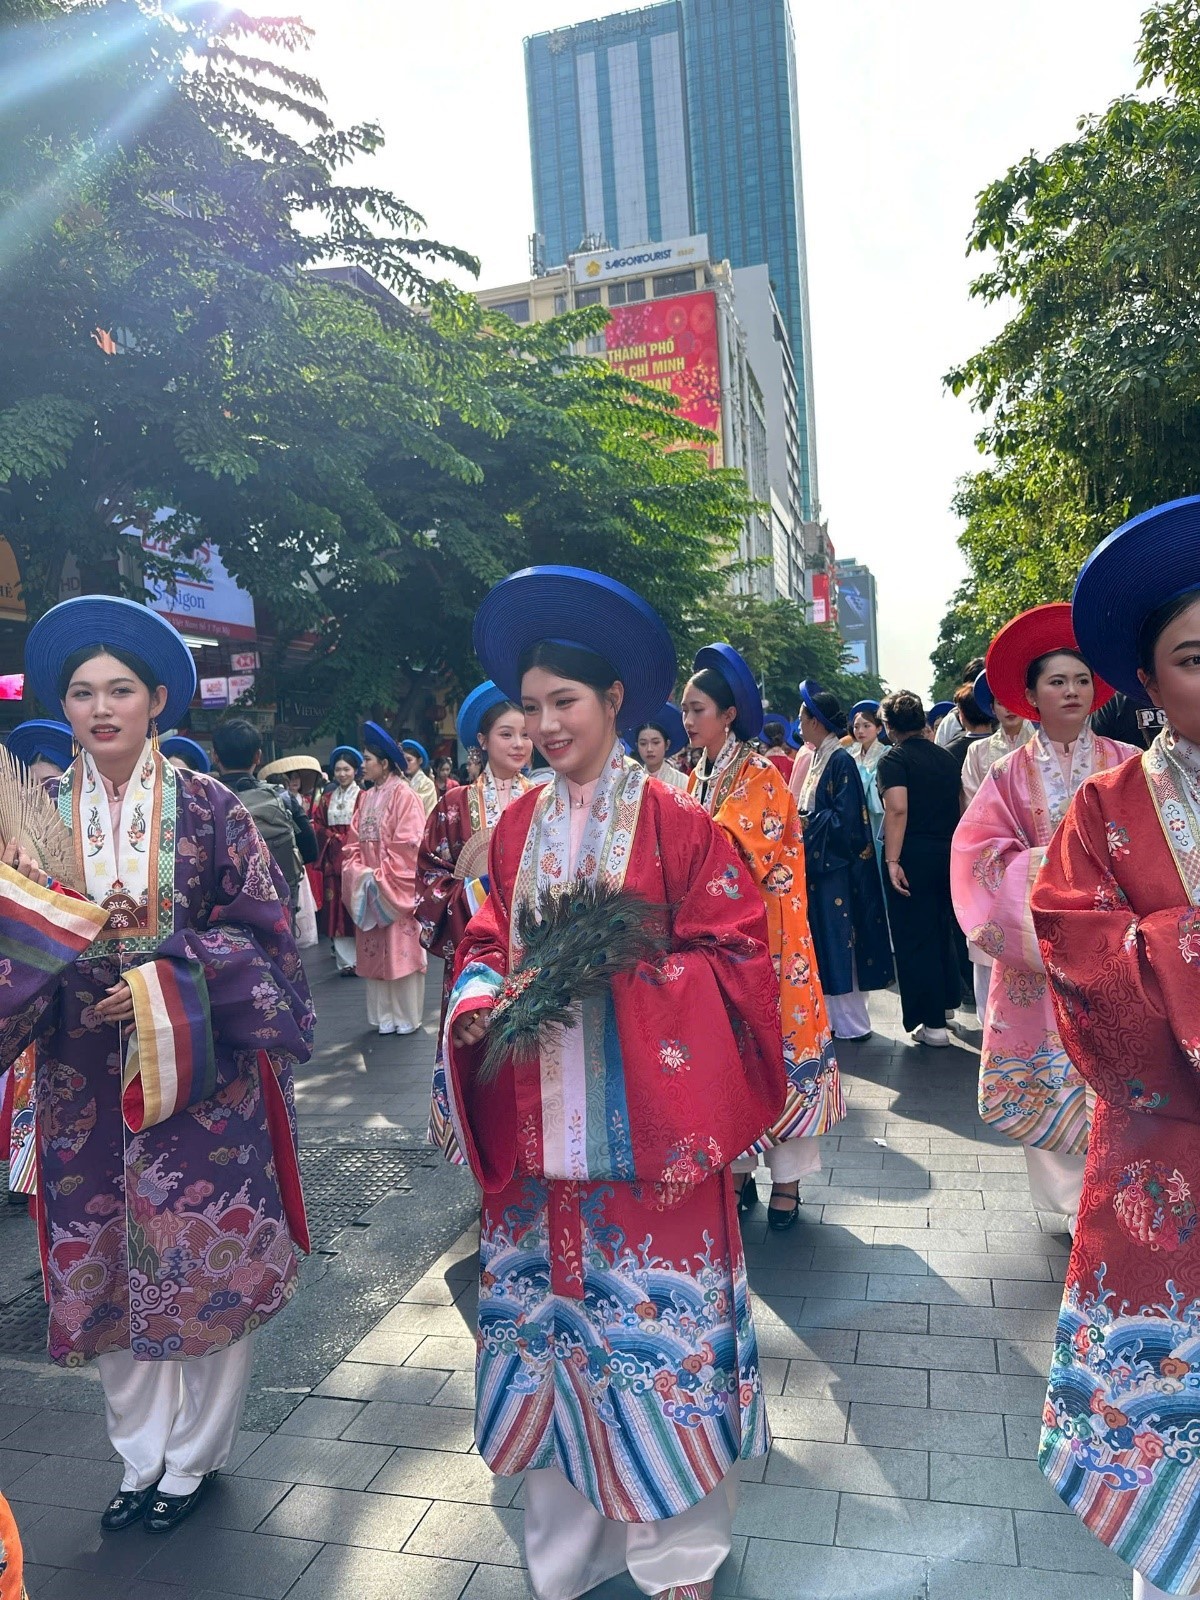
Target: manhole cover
x: 341, y: 1182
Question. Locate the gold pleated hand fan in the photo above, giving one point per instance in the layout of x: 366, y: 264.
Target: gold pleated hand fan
x: 28, y: 815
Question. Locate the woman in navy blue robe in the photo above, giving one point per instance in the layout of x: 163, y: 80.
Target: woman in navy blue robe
x: 845, y: 896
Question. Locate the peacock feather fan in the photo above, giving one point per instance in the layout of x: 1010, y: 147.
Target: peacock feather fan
x: 30, y: 818
x: 574, y: 941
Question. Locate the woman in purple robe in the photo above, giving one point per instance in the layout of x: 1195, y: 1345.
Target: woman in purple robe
x: 168, y: 1007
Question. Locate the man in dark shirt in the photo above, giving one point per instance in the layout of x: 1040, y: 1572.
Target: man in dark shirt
x: 1135, y: 725
x: 975, y: 725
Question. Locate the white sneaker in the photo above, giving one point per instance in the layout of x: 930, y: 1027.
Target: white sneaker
x: 387, y: 1027
x: 400, y: 1028
x: 938, y: 1037
x: 950, y: 1015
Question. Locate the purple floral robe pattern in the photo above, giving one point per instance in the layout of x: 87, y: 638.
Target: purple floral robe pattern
x: 173, y: 1242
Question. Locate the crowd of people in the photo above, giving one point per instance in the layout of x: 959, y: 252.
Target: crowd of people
x: 657, y: 923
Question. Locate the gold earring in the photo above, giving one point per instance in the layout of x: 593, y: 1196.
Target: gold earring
x: 75, y: 748
x: 154, y: 735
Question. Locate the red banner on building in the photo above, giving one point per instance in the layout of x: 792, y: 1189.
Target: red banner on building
x: 672, y: 345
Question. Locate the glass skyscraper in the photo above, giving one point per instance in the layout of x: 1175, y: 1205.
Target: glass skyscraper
x: 677, y: 119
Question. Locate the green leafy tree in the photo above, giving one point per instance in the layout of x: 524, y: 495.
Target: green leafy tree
x: 161, y: 340
x: 782, y: 648
x: 584, y: 468
x: 1090, y: 393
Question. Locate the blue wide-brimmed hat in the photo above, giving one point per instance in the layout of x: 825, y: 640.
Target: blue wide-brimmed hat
x: 178, y: 744
x: 796, y: 737
x: 570, y: 605
x: 939, y: 708
x: 414, y: 747
x: 474, y: 708
x: 871, y: 706
x: 734, y: 668
x: 668, y: 719
x: 1147, y: 561
x: 981, y: 689
x: 42, y: 737
x: 373, y: 733
x: 809, y: 690
x: 353, y: 756
x: 107, y: 619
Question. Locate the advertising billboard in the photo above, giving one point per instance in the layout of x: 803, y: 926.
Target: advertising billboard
x: 602, y: 264
x: 856, y: 615
x: 211, y: 604
x: 672, y: 345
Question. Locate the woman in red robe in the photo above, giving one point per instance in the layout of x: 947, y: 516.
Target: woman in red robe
x: 452, y: 881
x: 1117, y: 912
x: 332, y: 814
x: 617, y: 1367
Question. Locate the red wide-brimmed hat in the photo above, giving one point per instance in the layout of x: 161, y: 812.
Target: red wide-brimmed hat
x: 1037, y: 632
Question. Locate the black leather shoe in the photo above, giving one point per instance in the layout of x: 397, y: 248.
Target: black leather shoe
x: 167, y: 1511
x: 126, y: 1508
x: 779, y: 1220
x: 747, y: 1195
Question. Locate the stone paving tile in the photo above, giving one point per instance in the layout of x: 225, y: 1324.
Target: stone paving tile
x: 805, y: 1464
x: 321, y: 1419
x: 979, y: 1264
x: 956, y: 1580
x: 1023, y: 1434
x: 867, y: 1315
x: 13, y: 1466
x: 497, y: 1583
x: 1063, y: 1544
x: 380, y: 1575
x: 988, y: 1392
x: 329, y: 1463
x: 233, y: 1502
x: 793, y: 1418
x: 346, y: 1516
x: 73, y: 1539
x: 252, y: 1564
x: 470, y: 1533
x: 929, y: 1290
x: 906, y: 1428
x: 75, y: 1481
x: 426, y: 1427
x: 66, y: 1585
x: 447, y: 1354
x: 920, y: 1527
x: 62, y: 1433
x: 441, y: 1475
x: 778, y: 1570
x: 904, y: 1387
x: 934, y: 1353
x: 768, y: 1511
x: 992, y: 1481
x: 363, y: 1380
x: 11, y: 1418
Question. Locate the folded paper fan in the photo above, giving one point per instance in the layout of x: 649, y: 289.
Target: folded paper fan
x: 473, y: 857
x: 30, y: 817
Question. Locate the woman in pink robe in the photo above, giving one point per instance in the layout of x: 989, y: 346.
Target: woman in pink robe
x: 379, y: 886
x: 1028, y: 1087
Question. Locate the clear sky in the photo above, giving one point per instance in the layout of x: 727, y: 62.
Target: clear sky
x: 906, y: 112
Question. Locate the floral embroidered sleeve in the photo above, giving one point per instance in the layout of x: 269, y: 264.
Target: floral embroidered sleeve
x: 442, y: 906
x: 992, y: 868
x: 213, y: 994
x: 1125, y: 987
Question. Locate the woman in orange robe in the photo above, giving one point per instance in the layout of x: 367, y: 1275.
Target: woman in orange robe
x: 748, y: 798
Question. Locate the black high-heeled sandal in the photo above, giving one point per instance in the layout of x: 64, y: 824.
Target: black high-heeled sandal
x: 747, y: 1195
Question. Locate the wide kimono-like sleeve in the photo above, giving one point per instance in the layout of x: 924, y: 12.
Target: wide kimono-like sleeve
x: 214, y: 994
x: 42, y: 931
x: 755, y: 819
x: 444, y: 903
x: 992, y: 868
x: 837, y: 832
x: 393, y: 880
x: 691, y: 1054
x: 1125, y: 987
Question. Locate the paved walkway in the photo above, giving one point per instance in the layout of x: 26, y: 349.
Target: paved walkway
x: 905, y: 1327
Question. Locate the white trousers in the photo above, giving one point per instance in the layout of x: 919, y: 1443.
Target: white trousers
x: 570, y: 1548
x: 983, y: 983
x: 343, y: 952
x: 396, y: 1005
x: 1055, y: 1182
x: 1143, y: 1589
x: 849, y: 1014
x: 787, y: 1163
x: 173, y: 1421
